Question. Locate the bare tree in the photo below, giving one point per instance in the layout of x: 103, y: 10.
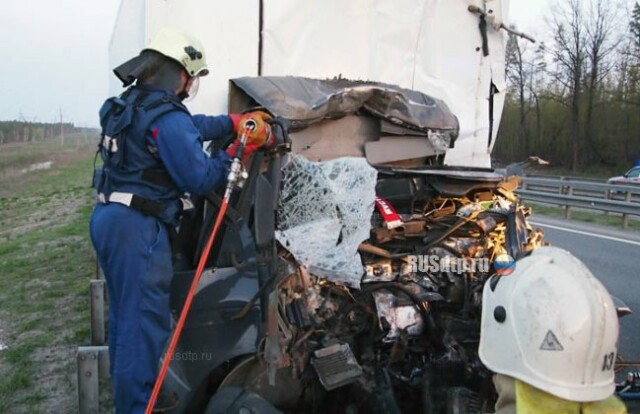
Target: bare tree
x: 536, y: 84
x: 569, y: 55
x: 632, y: 76
x: 584, y: 103
x: 629, y: 61
x: 518, y: 78
x: 600, y: 45
x: 522, y: 65
x: 634, y: 28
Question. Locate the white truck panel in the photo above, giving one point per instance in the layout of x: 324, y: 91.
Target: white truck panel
x: 433, y: 46
x: 229, y: 32
x: 127, y: 39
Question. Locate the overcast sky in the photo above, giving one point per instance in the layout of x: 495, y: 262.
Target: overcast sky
x: 54, y: 55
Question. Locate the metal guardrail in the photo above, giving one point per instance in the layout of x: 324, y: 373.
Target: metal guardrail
x: 589, y: 195
x: 92, y: 364
x: 93, y: 361
x: 566, y: 178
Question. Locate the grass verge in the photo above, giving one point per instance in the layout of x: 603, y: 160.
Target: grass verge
x: 46, y: 262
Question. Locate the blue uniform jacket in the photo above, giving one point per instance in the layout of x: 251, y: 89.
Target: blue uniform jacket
x: 179, y: 139
x: 152, y: 147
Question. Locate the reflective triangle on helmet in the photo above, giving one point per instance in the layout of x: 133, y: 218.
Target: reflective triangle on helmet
x: 551, y: 343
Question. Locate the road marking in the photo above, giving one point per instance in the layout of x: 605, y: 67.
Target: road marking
x: 586, y: 233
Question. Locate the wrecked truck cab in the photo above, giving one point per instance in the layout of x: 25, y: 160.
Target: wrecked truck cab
x: 339, y: 118
x: 349, y: 274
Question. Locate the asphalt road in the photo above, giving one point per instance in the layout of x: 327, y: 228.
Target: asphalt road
x: 612, y: 256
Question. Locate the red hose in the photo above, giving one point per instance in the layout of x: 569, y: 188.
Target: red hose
x: 185, y: 309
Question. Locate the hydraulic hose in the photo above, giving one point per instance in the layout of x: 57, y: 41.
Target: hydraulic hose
x: 235, y: 175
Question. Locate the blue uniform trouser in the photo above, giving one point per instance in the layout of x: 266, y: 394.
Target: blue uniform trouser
x: 135, y: 254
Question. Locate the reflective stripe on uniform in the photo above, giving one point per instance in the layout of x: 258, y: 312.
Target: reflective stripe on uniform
x: 117, y: 197
x: 122, y: 198
x: 169, y: 211
x: 187, y: 204
x: 109, y: 143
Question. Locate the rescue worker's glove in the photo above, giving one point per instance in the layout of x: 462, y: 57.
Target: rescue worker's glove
x: 258, y: 137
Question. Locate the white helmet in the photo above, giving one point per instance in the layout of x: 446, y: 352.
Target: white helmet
x: 183, y: 48
x: 553, y: 325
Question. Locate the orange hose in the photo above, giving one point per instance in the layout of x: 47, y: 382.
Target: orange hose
x: 185, y: 309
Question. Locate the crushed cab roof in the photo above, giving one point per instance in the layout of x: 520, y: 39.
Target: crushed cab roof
x: 304, y: 101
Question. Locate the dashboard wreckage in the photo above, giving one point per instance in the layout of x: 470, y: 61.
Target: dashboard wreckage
x: 349, y: 274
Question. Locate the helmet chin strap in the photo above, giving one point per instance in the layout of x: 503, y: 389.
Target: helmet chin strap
x: 183, y: 92
x: 190, y: 89
x: 182, y: 95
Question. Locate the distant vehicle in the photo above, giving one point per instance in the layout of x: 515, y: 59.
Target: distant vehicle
x: 630, y: 177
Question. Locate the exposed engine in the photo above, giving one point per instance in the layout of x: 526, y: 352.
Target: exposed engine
x: 406, y: 339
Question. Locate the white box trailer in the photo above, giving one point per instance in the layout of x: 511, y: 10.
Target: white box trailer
x: 437, y: 47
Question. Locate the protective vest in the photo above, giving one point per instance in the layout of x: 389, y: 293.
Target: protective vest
x: 132, y: 173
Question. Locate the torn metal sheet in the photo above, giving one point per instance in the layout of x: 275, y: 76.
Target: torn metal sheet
x: 400, y: 317
x: 487, y: 175
x: 305, y: 101
x: 389, y: 149
x: 325, y: 213
x: 384, y: 271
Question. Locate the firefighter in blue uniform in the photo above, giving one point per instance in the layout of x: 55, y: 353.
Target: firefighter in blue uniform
x: 152, y: 155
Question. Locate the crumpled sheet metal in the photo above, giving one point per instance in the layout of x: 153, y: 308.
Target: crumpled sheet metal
x: 325, y: 213
x: 399, y: 317
x: 304, y: 101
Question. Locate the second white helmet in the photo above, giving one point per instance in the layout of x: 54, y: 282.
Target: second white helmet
x: 553, y: 325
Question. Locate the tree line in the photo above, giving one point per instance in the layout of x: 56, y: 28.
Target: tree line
x: 23, y: 131
x: 576, y: 100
